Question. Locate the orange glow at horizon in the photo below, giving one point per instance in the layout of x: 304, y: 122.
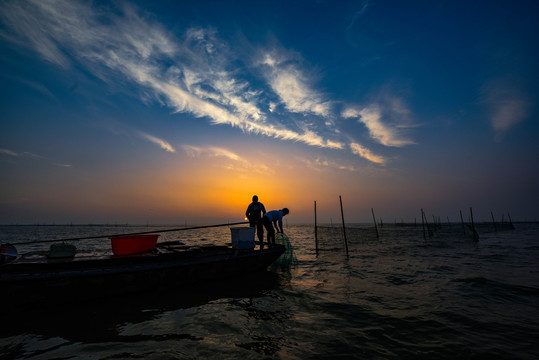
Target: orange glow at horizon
x: 214, y: 192
x: 197, y: 190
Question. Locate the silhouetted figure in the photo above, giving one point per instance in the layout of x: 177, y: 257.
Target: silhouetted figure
x: 271, y: 219
x: 254, y: 213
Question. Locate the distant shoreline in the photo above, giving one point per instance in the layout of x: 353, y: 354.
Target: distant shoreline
x: 336, y: 225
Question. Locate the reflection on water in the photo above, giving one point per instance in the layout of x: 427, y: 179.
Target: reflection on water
x: 164, y: 316
x: 396, y: 296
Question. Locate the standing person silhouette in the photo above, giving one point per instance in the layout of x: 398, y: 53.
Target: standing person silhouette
x: 255, y: 212
x: 271, y: 219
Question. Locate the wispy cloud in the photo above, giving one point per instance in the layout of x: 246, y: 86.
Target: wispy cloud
x: 27, y: 154
x: 506, y: 104
x: 320, y: 163
x: 162, y: 143
x: 19, y: 154
x: 232, y: 161
x: 372, y: 117
x: 359, y: 13
x: 8, y: 152
x: 211, y: 151
x: 507, y: 113
x: 367, y: 154
x: 293, y: 88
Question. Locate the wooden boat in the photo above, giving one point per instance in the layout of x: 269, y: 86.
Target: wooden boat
x: 34, y: 279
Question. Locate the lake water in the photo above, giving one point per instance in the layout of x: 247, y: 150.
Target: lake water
x: 401, y: 295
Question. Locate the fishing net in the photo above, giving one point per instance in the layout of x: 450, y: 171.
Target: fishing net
x: 288, y: 258
x: 330, y: 238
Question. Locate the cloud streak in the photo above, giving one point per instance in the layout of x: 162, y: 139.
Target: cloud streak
x: 367, y: 154
x: 320, y: 163
x: 8, y: 152
x: 27, y: 154
x: 17, y: 154
x: 162, y: 143
x: 371, y: 116
x: 293, y: 88
x: 227, y: 159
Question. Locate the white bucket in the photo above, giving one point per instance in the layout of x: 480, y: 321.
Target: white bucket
x: 243, y: 237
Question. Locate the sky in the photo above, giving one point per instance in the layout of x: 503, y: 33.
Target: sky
x: 178, y: 112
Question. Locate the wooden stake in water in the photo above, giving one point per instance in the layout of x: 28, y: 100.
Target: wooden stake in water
x: 315, y: 229
x: 423, y: 224
x: 427, y: 223
x: 493, y: 221
x: 475, y: 234
x: 343, y: 227
x: 510, y: 221
x: 462, y: 222
x: 375, y: 226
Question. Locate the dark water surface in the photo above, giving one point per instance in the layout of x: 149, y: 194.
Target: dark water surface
x: 399, y: 296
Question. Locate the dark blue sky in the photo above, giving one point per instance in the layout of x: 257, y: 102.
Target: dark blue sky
x: 180, y: 111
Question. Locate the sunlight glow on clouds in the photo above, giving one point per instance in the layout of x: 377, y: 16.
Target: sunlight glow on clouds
x: 162, y: 143
x: 195, y: 74
x: 234, y: 163
x: 371, y: 117
x: 210, y: 151
x: 291, y: 86
x: 367, y: 154
x: 320, y: 164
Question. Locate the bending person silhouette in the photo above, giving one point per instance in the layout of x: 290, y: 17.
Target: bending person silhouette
x: 273, y: 219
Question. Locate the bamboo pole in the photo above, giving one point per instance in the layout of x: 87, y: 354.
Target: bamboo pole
x: 429, y: 230
x: 510, y: 221
x: 423, y: 224
x: 375, y: 226
x: 493, y: 221
x: 475, y: 235
x: 462, y: 222
x: 343, y: 227
x: 315, y: 229
x: 130, y: 234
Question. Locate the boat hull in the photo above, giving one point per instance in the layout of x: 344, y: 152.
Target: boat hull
x: 71, y: 281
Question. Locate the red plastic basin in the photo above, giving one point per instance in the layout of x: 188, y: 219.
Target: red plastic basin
x: 133, y: 244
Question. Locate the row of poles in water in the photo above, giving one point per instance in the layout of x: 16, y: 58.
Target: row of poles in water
x: 343, y: 227
x: 424, y: 222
